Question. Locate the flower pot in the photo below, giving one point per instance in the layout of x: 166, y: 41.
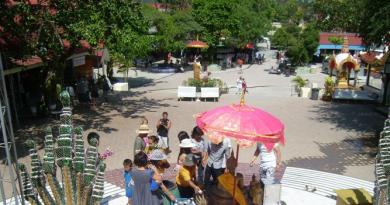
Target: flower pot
x: 305, y: 92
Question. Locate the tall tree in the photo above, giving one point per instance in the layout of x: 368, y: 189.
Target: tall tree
x: 238, y: 21
x: 338, y: 15
x: 374, y: 22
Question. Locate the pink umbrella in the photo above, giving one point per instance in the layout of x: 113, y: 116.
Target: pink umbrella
x: 245, y: 124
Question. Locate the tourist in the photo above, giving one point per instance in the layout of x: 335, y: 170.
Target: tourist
x: 159, y: 163
x: 199, y: 151
x: 244, y: 86
x: 144, y: 121
x: 152, y: 144
x: 239, y: 85
x: 216, y: 157
x: 163, y: 126
x: 186, y: 146
x: 270, y: 161
x: 183, y: 135
x: 107, y: 86
x: 142, y: 177
x: 185, y: 178
x: 94, y: 92
x: 139, y: 143
x: 258, y: 57
x: 129, y: 183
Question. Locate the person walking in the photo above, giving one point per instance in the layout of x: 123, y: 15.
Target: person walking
x: 199, y: 152
x: 139, y: 143
x: 142, y: 177
x: 107, y: 86
x: 239, y: 85
x: 163, y: 126
x: 244, y: 86
x: 215, y: 160
x: 270, y: 162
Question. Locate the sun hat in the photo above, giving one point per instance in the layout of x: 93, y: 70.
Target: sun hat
x: 143, y: 129
x: 189, y: 160
x: 157, y: 154
x: 187, y: 143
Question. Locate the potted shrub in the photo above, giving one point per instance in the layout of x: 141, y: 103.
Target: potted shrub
x: 300, y: 86
x: 329, y: 88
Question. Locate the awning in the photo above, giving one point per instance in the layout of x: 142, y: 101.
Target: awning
x: 339, y: 47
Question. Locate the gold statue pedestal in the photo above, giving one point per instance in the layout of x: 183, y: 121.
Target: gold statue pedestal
x: 342, y: 84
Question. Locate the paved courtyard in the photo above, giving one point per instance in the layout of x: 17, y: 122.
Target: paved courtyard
x: 332, y: 137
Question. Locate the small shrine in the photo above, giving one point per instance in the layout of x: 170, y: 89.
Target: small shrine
x: 344, y: 63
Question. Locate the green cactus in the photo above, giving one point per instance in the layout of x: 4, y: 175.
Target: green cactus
x: 82, y: 174
x: 382, y: 167
x: 28, y: 189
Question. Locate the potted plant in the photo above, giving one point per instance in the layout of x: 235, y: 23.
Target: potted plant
x: 300, y: 86
x: 329, y: 88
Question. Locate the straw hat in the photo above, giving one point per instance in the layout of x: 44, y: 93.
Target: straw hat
x: 187, y: 143
x: 157, y: 154
x: 189, y: 160
x: 143, y: 129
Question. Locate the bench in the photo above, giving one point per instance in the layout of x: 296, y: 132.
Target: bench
x: 186, y: 92
x: 209, y: 93
x: 322, y: 183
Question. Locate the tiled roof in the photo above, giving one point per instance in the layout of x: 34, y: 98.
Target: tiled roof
x: 353, y: 38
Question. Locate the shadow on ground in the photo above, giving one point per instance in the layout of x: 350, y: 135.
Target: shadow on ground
x: 124, y: 104
x: 349, y: 152
x: 351, y: 117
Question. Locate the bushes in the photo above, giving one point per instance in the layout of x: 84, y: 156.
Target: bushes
x: 206, y: 83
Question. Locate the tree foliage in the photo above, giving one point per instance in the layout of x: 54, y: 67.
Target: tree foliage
x: 42, y: 28
x: 374, y: 21
x: 174, y: 29
x: 338, y: 15
x: 300, y: 44
x: 239, y: 22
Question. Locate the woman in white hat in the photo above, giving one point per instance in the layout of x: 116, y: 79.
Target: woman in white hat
x: 139, y: 143
x: 186, y: 146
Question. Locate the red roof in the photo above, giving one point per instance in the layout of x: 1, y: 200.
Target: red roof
x: 353, y: 38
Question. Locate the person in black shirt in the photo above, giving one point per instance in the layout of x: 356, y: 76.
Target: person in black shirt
x: 163, y: 126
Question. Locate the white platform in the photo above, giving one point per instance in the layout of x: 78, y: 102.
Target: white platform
x: 292, y: 196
